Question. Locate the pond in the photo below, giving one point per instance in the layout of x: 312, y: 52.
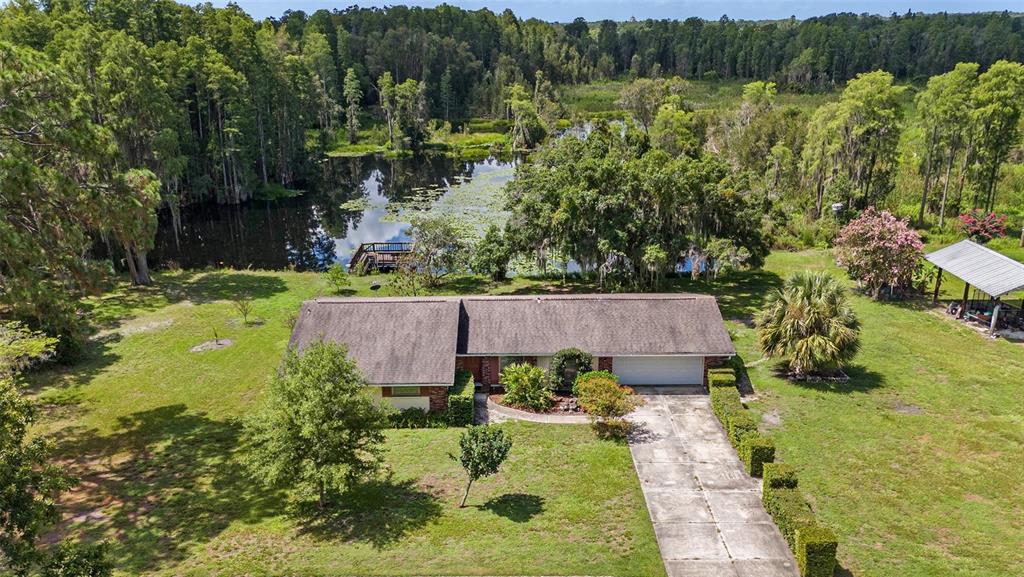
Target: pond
x: 352, y: 201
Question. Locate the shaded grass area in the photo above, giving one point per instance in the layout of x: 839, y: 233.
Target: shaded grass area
x: 153, y: 431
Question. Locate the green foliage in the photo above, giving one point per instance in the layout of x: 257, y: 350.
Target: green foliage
x: 858, y: 134
x: 778, y: 476
x: 526, y: 387
x: 460, y: 400
x: 810, y: 322
x: 353, y: 94
x: 492, y: 254
x: 243, y: 303
x: 755, y: 451
x: 816, y: 551
x: 337, y: 278
x: 528, y: 128
x: 565, y: 365
x: 626, y: 213
x: 416, y: 418
x: 31, y: 484
x: 601, y: 395
x: 71, y: 559
x: 725, y: 402
x: 740, y: 424
x: 790, y: 512
x: 482, y: 450
x: 721, y: 377
x: 441, y: 246
x: 21, y: 347
x: 318, y: 430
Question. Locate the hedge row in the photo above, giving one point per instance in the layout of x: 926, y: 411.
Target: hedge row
x: 460, y: 400
x: 814, y: 545
x: 753, y: 448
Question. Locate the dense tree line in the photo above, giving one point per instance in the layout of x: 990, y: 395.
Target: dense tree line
x: 218, y: 105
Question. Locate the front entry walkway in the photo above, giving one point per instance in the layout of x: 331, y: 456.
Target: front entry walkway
x: 706, y: 510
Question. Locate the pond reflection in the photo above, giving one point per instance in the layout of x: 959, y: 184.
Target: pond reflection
x: 345, y: 206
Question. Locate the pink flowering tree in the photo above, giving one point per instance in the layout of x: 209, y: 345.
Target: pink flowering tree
x: 879, y: 249
x: 982, y: 227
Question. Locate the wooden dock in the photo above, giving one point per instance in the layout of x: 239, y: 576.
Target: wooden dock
x: 379, y: 256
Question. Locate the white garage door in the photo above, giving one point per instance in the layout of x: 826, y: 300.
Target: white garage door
x: 659, y: 370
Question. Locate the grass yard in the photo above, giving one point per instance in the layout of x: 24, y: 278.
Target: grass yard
x: 917, y: 462
x: 152, y: 430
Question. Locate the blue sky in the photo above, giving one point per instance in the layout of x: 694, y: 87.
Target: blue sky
x: 566, y: 10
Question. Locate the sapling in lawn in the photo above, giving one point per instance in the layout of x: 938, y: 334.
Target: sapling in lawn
x: 482, y: 451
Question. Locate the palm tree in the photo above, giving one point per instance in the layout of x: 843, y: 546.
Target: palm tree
x: 810, y: 321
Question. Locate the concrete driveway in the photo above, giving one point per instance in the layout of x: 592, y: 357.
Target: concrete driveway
x: 706, y: 510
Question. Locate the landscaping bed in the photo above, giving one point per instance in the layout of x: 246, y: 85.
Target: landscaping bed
x: 561, y: 405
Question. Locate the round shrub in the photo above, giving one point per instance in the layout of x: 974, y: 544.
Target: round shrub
x: 565, y: 365
x: 600, y: 395
x: 526, y: 387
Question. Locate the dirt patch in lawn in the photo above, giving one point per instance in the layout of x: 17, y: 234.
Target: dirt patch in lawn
x: 771, y: 420
x: 907, y: 409
x: 212, y: 345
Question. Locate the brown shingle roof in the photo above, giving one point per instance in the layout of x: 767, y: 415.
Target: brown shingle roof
x: 603, y: 325
x: 415, y: 340
x: 394, y: 341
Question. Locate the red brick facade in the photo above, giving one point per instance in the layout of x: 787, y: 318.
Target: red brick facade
x: 604, y: 364
x: 530, y: 360
x: 489, y: 372
x: 438, y: 397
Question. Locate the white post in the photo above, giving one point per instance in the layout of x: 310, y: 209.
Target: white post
x: 995, y: 317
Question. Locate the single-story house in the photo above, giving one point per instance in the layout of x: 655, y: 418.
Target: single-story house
x: 411, y: 347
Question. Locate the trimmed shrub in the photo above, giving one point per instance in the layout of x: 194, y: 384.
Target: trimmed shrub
x: 416, y: 418
x: 601, y: 395
x: 584, y: 378
x: 756, y: 450
x: 778, y: 476
x: 565, y: 365
x: 727, y: 378
x: 724, y: 402
x: 816, y: 551
x: 740, y: 424
x: 790, y: 512
x: 460, y: 400
x: 526, y: 387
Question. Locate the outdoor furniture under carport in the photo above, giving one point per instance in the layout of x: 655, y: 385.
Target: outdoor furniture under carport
x: 992, y: 276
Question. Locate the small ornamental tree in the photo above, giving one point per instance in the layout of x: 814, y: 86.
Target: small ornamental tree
x: 482, y: 450
x: 565, y: 365
x: 879, y: 249
x: 243, y: 304
x: 317, y: 430
x: 810, y: 323
x: 337, y: 278
x: 607, y: 402
x: 982, y: 227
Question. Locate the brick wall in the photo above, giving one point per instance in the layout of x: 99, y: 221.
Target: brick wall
x: 604, y: 364
x: 438, y: 397
x: 530, y: 360
x: 489, y: 370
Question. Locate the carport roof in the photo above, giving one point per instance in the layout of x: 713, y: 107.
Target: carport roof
x: 981, y: 267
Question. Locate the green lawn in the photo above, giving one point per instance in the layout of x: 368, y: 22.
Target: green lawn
x: 917, y: 462
x: 152, y: 429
